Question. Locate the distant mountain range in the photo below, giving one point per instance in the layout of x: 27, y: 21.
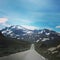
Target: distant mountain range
x: 15, y: 37
x: 36, y: 35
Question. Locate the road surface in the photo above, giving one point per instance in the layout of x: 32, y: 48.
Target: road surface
x: 26, y: 55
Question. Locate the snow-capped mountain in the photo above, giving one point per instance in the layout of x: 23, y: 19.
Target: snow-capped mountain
x: 17, y: 31
x: 23, y: 33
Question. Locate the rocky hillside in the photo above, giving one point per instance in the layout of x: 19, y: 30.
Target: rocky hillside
x: 12, y: 45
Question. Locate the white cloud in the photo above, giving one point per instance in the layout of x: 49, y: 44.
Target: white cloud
x: 3, y: 20
x: 30, y: 27
x: 6, y: 25
x: 58, y: 26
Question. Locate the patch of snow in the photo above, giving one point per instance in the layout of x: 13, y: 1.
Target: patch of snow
x: 45, y: 39
x: 30, y: 27
x: 18, y: 38
x: 19, y: 27
x: 17, y: 35
x: 29, y: 32
x: 9, y: 32
x: 37, y: 41
x: 13, y: 26
x: 41, y: 32
x: 3, y: 31
x: 24, y: 34
x: 47, y: 33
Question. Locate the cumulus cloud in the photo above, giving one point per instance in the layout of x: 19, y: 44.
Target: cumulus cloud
x: 3, y: 20
x: 58, y: 26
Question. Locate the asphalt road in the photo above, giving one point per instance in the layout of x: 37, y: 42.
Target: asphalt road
x: 26, y: 55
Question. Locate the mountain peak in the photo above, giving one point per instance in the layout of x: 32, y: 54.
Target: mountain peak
x: 27, y: 33
x: 30, y: 27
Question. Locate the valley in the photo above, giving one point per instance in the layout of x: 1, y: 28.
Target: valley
x: 17, y: 39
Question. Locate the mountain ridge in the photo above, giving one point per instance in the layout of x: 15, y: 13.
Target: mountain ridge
x: 23, y: 33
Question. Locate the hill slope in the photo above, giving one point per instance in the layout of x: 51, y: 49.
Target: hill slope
x: 10, y: 45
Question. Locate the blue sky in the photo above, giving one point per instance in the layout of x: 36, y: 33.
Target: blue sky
x: 39, y: 13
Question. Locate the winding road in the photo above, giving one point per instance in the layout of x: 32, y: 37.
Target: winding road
x: 26, y: 55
